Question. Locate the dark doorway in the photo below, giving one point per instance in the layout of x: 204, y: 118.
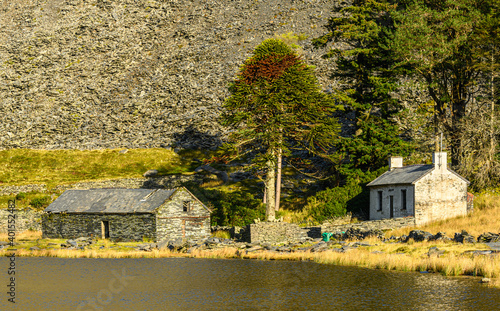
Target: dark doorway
x: 105, y: 229
x: 391, y: 205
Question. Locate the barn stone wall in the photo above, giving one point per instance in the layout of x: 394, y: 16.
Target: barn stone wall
x: 172, y: 222
x: 122, y: 227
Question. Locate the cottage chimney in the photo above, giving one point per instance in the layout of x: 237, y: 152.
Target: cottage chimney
x: 395, y: 162
x: 440, y: 160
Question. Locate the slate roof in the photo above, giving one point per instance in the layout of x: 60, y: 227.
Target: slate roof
x: 403, y: 175
x: 407, y: 175
x: 110, y: 201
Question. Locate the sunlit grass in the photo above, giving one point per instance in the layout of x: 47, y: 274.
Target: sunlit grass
x: 54, y: 167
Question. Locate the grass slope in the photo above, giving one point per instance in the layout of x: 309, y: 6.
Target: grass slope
x: 54, y: 167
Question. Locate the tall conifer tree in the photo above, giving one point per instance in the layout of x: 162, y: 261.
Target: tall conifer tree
x: 276, y: 101
x: 364, y: 72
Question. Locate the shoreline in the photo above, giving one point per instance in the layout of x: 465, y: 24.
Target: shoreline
x: 448, y: 259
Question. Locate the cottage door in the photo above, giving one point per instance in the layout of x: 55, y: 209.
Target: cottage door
x: 105, y: 229
x: 183, y: 228
x: 391, y: 205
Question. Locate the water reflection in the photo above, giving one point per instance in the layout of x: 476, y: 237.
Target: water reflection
x: 205, y: 284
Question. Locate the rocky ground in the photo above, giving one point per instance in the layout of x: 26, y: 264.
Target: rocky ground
x: 341, y: 243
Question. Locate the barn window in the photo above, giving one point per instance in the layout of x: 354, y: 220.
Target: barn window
x: 186, y: 206
x: 403, y: 199
x: 379, y: 201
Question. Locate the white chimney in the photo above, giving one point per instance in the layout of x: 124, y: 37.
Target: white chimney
x: 395, y: 162
x: 440, y: 160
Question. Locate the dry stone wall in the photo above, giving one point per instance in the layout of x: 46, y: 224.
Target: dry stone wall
x: 274, y: 232
x: 25, y: 220
x: 90, y: 74
x: 384, y: 224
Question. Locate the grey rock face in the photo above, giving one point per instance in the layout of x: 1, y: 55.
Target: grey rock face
x: 129, y: 74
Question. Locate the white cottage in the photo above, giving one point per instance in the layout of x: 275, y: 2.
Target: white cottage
x: 427, y: 192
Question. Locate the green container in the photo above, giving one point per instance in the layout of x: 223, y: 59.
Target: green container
x: 326, y: 236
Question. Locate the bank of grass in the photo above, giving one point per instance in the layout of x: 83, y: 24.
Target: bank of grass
x: 55, y: 167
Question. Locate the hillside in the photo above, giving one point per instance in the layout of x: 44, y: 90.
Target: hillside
x: 78, y: 74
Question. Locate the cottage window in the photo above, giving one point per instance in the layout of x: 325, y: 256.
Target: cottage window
x: 186, y: 206
x: 403, y: 199
x: 379, y: 201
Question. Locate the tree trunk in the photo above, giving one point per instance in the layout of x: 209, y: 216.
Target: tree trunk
x: 270, y: 191
x: 492, y: 120
x: 278, y: 181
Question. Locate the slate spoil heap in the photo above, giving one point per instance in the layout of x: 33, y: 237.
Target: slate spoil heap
x: 109, y: 74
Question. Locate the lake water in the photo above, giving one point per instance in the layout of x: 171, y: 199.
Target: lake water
x: 213, y: 284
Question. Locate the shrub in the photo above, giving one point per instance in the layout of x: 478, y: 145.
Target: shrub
x: 40, y: 202
x: 231, y: 208
x: 21, y: 196
x: 354, y: 196
x: 236, y: 209
x: 331, y: 202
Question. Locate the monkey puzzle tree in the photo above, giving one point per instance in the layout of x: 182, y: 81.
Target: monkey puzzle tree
x: 276, y: 104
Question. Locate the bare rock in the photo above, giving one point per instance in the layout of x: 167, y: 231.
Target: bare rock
x: 150, y: 173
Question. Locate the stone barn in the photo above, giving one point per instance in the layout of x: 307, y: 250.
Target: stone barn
x: 127, y: 215
x: 428, y: 192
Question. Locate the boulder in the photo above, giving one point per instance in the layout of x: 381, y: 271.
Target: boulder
x: 440, y: 236
x: 488, y: 238
x: 463, y: 237
x: 435, y: 252
x: 220, y: 174
x: 72, y: 243
x: 419, y: 236
x: 150, y: 173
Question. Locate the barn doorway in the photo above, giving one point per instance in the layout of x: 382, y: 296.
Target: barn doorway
x: 105, y: 229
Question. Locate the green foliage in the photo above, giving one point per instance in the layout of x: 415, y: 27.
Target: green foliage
x: 221, y: 234
x: 276, y: 98
x: 354, y: 196
x: 368, y: 79
x: 331, y: 202
x: 231, y: 208
x: 21, y: 196
x: 444, y: 44
x: 292, y: 39
x: 40, y: 203
x: 276, y: 103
